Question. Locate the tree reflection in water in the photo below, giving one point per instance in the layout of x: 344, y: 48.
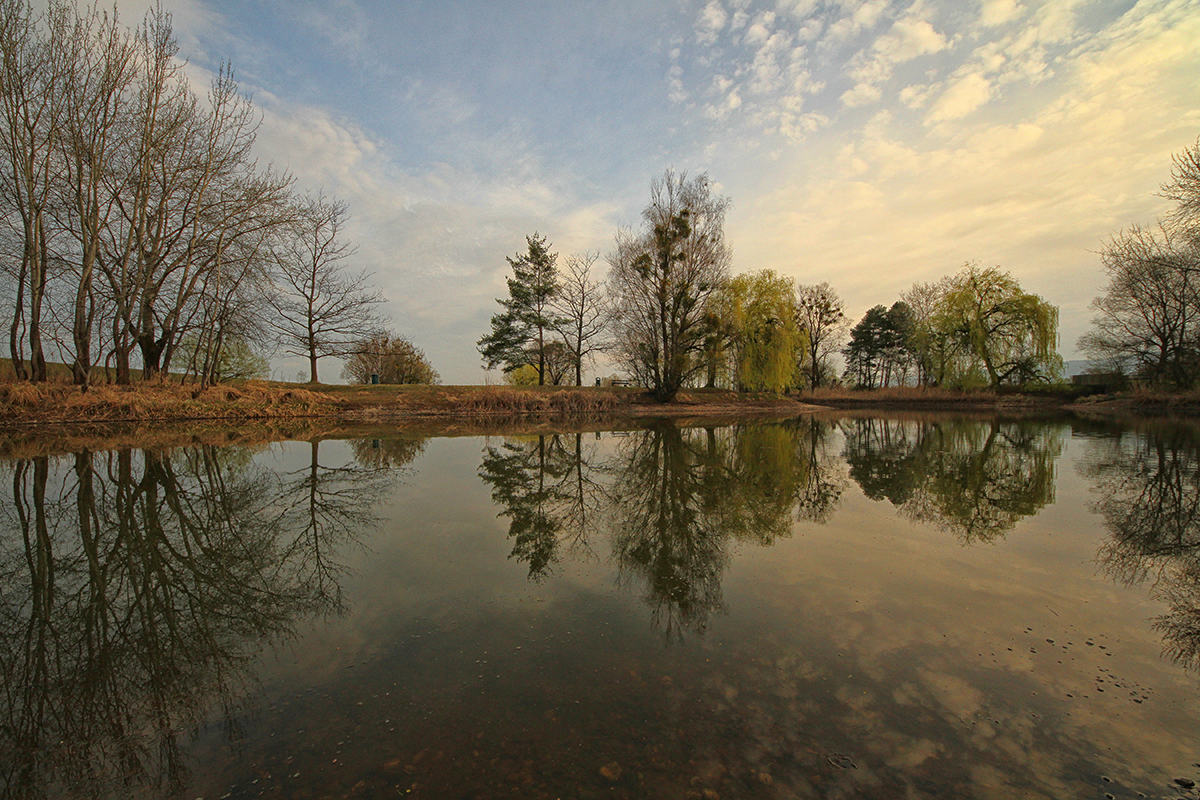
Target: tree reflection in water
x: 548, y: 487
x: 975, y: 479
x: 670, y: 500
x: 667, y: 530
x: 136, y: 590
x: 1149, y: 488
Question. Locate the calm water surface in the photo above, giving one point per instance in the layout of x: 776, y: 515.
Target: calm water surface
x: 897, y: 607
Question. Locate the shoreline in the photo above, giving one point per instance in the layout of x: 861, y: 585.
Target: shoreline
x: 60, y: 419
x: 25, y: 407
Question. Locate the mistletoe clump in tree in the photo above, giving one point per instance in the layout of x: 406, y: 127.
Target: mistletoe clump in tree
x: 662, y: 280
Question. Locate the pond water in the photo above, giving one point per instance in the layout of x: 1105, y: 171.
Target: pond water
x: 842, y: 606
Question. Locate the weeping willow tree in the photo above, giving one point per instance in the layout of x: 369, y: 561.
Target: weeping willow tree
x: 995, y: 331
x: 766, y: 342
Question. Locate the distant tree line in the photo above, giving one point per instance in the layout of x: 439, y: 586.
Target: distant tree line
x: 671, y: 315
x: 1147, y: 322
x: 137, y: 231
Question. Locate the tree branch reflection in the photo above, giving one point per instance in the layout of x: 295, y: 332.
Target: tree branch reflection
x: 670, y: 500
x: 137, y: 588
x: 975, y: 479
x: 1149, y: 495
x: 548, y: 486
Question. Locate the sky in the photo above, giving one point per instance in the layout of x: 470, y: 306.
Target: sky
x: 863, y: 143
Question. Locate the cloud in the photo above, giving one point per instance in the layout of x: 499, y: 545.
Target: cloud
x: 799, y: 9
x: 908, y: 38
x: 961, y: 98
x: 771, y: 63
x: 862, y: 94
x: 676, y: 92
x: 711, y: 22
x: 862, y: 16
x: 760, y: 31
x: 998, y: 12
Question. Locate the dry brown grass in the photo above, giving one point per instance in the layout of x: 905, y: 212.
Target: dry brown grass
x: 42, y: 403
x: 908, y: 395
x: 1146, y: 396
x: 1143, y: 400
x: 492, y: 401
x: 23, y: 403
x: 530, y: 402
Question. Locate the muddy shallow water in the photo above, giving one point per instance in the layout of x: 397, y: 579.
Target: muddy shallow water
x: 835, y: 607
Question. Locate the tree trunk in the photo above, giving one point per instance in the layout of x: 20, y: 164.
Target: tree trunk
x: 541, y: 357
x: 16, y: 349
x: 81, y: 331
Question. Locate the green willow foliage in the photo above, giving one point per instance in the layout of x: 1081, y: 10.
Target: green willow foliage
x: 757, y: 311
x: 975, y: 480
x: 985, y: 329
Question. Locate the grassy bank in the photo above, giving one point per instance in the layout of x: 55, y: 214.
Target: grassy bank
x: 933, y: 398
x: 25, y: 404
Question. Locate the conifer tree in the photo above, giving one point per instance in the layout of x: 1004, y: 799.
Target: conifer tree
x: 518, y: 334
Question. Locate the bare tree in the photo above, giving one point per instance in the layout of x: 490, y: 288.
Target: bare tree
x: 821, y: 315
x: 931, y: 353
x: 1184, y: 188
x: 32, y: 75
x: 154, y: 189
x: 101, y: 58
x: 580, y: 307
x: 320, y: 310
x: 232, y: 305
x: 1148, y: 319
x: 133, y: 216
x: 662, y: 279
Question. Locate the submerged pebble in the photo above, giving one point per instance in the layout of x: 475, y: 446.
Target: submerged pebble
x: 611, y: 771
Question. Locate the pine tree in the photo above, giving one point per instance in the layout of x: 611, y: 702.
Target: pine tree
x: 518, y: 334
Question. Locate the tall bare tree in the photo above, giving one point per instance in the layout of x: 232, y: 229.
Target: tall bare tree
x: 1148, y: 319
x: 101, y: 59
x: 662, y: 278
x: 320, y: 309
x: 132, y: 213
x: 931, y: 353
x: 821, y: 315
x: 1184, y: 189
x: 32, y: 75
x: 582, y: 314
